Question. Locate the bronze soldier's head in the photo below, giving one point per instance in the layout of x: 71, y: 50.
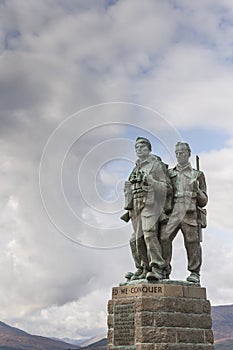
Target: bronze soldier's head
x: 142, y: 147
x: 183, y: 152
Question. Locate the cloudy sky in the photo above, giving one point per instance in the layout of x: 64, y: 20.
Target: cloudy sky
x: 79, y: 81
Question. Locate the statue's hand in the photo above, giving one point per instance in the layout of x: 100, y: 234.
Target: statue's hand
x: 148, y: 179
x: 196, y: 187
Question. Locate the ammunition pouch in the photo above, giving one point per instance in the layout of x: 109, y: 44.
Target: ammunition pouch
x: 202, y: 217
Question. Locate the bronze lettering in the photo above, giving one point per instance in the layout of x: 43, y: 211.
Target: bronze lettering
x: 124, y: 291
x: 114, y: 291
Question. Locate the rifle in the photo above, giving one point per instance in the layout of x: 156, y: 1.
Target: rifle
x: 197, y: 163
x: 199, y: 209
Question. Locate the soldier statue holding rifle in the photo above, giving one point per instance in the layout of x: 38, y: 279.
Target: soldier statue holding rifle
x: 188, y: 215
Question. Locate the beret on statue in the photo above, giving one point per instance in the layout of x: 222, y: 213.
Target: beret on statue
x: 145, y: 141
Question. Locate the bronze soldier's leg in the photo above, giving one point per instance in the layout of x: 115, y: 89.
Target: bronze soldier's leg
x: 194, y: 256
x: 193, y: 247
x: 140, y: 242
x: 154, y: 252
x: 134, y: 251
x: 166, y: 235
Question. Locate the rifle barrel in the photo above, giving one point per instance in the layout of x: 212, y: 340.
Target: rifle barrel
x: 197, y: 163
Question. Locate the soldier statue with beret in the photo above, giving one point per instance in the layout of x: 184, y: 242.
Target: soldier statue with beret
x: 146, y: 199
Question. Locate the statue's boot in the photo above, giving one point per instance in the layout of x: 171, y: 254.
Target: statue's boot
x: 194, y: 278
x: 154, y: 275
x: 137, y: 275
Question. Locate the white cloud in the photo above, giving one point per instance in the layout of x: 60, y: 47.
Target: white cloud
x: 89, y: 313
x: 220, y: 185
x: 58, y: 57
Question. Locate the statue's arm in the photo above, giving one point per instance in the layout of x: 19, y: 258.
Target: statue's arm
x: 168, y: 180
x: 158, y: 178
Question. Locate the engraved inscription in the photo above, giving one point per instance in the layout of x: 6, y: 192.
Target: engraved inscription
x: 124, y: 324
x: 138, y: 290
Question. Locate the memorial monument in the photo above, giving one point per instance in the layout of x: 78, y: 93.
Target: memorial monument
x: 149, y: 310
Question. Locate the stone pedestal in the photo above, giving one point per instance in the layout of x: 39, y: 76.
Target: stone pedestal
x: 159, y: 317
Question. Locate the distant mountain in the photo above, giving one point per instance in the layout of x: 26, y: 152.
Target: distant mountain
x: 222, y: 317
x: 12, y: 338
x: 99, y: 345
x: 93, y: 341
x: 224, y: 345
x: 82, y: 342
x: 77, y: 342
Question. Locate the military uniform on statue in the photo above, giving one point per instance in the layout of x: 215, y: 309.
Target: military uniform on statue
x: 189, y: 196
x: 145, y: 194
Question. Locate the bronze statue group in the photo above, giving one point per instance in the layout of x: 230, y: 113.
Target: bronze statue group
x: 160, y: 202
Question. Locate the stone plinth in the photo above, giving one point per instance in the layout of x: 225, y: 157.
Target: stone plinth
x: 159, y: 317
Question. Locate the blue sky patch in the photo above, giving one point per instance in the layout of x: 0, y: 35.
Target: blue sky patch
x: 201, y: 139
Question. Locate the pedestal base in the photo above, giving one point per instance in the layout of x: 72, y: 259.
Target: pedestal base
x: 159, y: 317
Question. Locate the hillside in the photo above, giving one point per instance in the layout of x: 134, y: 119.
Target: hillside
x: 100, y: 345
x: 225, y: 345
x: 222, y: 317
x: 12, y: 338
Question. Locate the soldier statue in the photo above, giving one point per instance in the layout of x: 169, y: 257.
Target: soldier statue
x: 146, y: 199
x: 188, y: 215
